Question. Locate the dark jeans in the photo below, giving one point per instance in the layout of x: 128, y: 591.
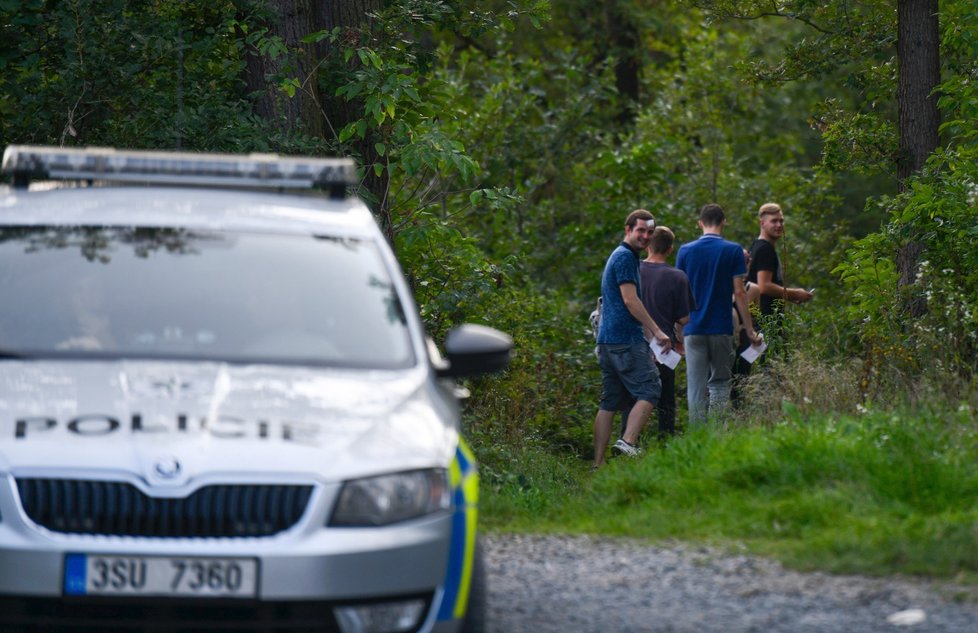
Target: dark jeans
x: 665, y: 410
x: 741, y: 371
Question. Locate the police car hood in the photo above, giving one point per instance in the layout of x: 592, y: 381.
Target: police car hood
x: 171, y: 422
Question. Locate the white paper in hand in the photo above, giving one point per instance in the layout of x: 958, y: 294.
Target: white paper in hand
x: 753, y: 352
x: 669, y: 358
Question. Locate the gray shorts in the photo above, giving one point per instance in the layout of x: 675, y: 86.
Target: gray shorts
x: 627, y: 370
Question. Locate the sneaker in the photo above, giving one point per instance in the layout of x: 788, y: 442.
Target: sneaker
x: 624, y: 448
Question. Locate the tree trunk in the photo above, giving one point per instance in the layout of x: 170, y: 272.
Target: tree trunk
x: 318, y: 112
x: 625, y: 42
x: 351, y: 16
x: 302, y: 111
x: 918, y: 55
x: 918, y: 52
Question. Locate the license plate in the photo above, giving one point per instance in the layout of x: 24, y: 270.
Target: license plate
x: 106, y: 575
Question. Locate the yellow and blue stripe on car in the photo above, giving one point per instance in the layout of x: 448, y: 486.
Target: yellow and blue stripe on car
x: 464, y: 484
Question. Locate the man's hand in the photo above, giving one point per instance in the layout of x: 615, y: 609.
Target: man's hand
x: 663, y: 340
x: 799, y: 295
x: 660, y: 337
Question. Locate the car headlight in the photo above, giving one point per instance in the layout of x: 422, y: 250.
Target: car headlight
x: 391, y: 498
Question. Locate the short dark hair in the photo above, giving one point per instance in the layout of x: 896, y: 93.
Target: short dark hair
x: 712, y: 215
x: 636, y: 215
x: 661, y: 240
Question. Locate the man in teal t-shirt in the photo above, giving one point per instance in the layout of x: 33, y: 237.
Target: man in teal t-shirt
x: 627, y: 369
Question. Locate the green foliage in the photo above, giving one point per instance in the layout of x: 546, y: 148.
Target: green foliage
x: 548, y: 396
x: 938, y: 212
x: 838, y: 38
x: 860, y: 143
x: 451, y: 277
x: 409, y: 111
x: 99, y: 72
x: 553, y: 104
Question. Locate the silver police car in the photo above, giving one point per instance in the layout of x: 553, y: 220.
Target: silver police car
x: 218, y: 407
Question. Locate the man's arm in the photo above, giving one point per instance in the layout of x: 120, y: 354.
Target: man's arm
x: 678, y: 328
x: 740, y: 298
x: 636, y: 308
x: 753, y: 292
x: 765, y: 283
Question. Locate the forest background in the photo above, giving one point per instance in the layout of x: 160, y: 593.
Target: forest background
x: 501, y: 145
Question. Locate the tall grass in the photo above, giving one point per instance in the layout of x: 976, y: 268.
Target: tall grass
x: 874, y: 492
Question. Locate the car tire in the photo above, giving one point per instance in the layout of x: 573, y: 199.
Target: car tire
x: 475, y: 615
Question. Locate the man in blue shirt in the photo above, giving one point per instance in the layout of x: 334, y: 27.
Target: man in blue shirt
x: 715, y: 268
x: 623, y: 353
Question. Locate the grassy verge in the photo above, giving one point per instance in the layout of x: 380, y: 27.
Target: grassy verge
x: 875, y: 493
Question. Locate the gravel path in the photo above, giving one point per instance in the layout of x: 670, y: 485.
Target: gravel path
x: 548, y: 584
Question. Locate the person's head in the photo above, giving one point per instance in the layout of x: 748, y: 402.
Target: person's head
x: 772, y: 221
x: 712, y: 218
x: 638, y: 228
x: 747, y: 258
x: 661, y: 241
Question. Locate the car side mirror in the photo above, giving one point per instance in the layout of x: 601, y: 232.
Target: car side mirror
x: 474, y: 349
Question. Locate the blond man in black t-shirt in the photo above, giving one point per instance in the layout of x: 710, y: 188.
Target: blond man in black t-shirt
x: 765, y: 265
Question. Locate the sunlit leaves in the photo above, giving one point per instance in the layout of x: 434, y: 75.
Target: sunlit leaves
x: 865, y: 143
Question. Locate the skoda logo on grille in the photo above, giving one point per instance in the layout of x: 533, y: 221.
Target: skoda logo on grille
x: 166, y: 468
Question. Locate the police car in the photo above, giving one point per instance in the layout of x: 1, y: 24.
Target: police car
x: 218, y: 407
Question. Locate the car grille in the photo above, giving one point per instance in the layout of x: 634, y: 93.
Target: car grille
x: 48, y: 615
x: 121, y: 509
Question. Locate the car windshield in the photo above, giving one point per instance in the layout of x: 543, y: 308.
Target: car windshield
x: 122, y: 292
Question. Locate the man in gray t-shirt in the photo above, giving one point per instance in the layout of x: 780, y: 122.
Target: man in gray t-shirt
x: 668, y: 298
x: 626, y: 366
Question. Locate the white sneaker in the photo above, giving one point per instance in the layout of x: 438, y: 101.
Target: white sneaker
x: 624, y: 448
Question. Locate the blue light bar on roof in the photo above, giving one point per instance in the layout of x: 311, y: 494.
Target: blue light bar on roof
x: 27, y: 162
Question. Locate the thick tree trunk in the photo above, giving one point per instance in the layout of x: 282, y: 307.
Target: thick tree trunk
x: 302, y: 111
x: 351, y: 16
x: 918, y: 53
x: 625, y: 43
x: 318, y: 112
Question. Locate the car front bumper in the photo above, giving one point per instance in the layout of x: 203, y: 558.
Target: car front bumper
x: 309, y: 573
